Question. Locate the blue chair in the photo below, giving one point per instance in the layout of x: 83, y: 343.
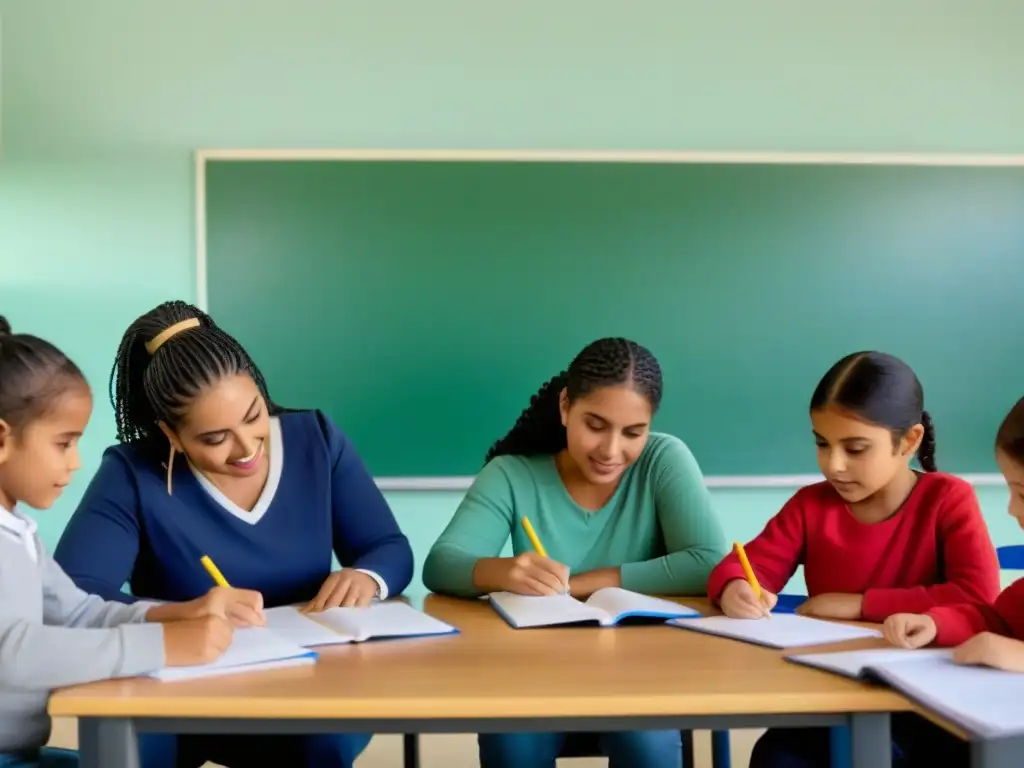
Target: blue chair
x: 1011, y: 557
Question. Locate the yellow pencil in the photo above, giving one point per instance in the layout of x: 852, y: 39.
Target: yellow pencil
x: 214, y: 571
x: 751, y: 578
x: 533, y: 537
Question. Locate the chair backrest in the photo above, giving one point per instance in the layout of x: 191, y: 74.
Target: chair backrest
x: 1011, y: 557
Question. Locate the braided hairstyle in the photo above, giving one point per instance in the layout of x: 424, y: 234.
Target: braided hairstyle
x: 33, y: 374
x: 882, y: 390
x: 146, y: 389
x: 608, y: 362
x: 1010, y: 437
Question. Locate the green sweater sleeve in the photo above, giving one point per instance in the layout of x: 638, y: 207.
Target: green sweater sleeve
x: 693, y: 534
x: 481, y: 526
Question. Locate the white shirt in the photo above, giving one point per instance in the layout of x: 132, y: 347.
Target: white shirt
x: 20, y: 528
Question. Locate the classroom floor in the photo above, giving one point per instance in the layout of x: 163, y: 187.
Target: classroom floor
x: 459, y: 750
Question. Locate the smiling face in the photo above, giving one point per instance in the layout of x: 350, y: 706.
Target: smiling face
x: 224, y: 429
x: 859, y: 458
x: 606, y: 431
x: 38, y: 459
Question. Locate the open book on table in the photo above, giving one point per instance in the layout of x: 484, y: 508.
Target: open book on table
x: 786, y: 630
x: 252, y: 649
x: 983, y: 701
x: 605, y: 608
x: 337, y: 626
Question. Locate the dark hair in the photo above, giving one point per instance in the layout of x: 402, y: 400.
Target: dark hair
x: 33, y: 373
x: 1010, y: 437
x: 883, y: 390
x: 603, y: 363
x: 148, y: 388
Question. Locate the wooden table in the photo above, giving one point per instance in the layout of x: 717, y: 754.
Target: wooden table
x: 493, y: 678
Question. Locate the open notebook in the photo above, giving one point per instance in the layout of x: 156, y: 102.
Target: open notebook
x: 336, y: 626
x: 606, y: 607
x: 983, y: 701
x: 787, y: 630
x: 251, y: 649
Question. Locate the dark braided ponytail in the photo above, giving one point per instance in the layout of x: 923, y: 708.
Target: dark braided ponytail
x: 882, y: 390
x: 146, y: 389
x: 609, y: 362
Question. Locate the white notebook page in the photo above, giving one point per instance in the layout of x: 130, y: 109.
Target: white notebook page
x: 548, y: 610
x: 783, y: 630
x: 250, y: 649
x: 386, y: 619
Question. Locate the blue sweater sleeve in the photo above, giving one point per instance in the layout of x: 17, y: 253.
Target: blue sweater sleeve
x: 366, y: 534
x: 101, y: 540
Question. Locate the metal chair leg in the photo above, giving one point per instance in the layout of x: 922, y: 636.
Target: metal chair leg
x: 721, y: 750
x: 411, y: 750
x: 687, y: 737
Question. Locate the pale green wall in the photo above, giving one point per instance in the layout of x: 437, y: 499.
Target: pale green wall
x: 104, y: 102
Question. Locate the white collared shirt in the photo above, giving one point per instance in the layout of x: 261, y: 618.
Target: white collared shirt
x: 21, y: 529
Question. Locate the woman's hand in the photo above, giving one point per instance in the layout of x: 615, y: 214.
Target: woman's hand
x: 738, y: 601
x: 833, y: 605
x: 909, y: 630
x: 525, y: 574
x: 347, y: 588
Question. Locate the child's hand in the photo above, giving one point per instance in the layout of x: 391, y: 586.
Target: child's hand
x: 196, y: 641
x: 992, y: 650
x: 242, y: 607
x: 833, y: 605
x: 909, y: 630
x: 738, y: 601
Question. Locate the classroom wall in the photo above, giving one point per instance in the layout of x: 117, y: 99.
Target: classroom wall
x: 104, y: 102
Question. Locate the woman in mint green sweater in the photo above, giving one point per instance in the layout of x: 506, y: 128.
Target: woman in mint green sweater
x: 615, y: 505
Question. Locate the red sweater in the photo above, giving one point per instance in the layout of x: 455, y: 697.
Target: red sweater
x: 935, y: 550
x: 959, y: 623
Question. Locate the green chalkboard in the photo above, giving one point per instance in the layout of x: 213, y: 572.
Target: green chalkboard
x: 421, y: 304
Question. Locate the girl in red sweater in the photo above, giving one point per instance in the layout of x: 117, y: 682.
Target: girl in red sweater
x: 875, y: 537
x: 987, y: 634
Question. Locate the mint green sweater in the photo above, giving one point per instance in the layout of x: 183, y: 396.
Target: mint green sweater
x: 658, y: 526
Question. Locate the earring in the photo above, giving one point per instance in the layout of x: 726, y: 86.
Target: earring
x: 170, y: 470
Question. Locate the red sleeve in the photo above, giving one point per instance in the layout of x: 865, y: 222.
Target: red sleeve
x: 774, y: 554
x: 957, y: 624
x: 969, y: 563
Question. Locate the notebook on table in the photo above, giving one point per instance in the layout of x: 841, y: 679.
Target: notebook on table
x: 252, y: 649
x: 983, y: 701
x: 606, y: 607
x: 337, y: 626
x: 785, y: 630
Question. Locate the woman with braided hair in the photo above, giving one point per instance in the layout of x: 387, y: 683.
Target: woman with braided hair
x: 201, y: 468
x: 615, y: 504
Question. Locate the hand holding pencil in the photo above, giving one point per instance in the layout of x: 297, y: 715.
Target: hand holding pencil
x: 528, y: 573
x: 745, y: 598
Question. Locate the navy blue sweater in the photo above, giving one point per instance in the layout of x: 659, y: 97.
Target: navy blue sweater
x: 319, y: 497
